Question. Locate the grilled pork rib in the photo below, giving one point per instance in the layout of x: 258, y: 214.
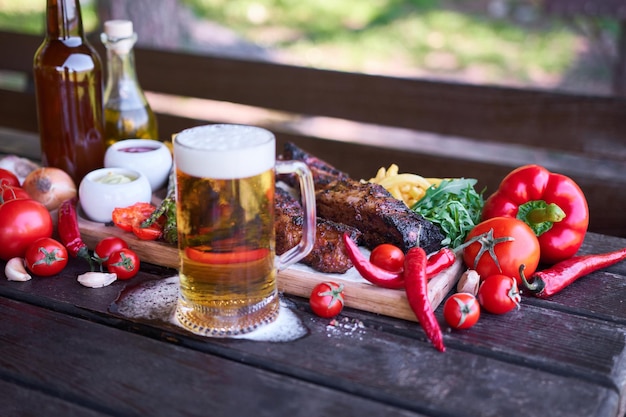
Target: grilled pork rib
x: 378, y: 215
x: 328, y: 253
x: 323, y: 173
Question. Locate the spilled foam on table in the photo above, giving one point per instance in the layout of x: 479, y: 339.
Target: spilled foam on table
x: 156, y: 301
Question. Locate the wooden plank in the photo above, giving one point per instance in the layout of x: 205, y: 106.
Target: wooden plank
x: 537, y: 118
x: 21, y: 48
x: 19, y: 400
x: 381, y: 359
x: 298, y: 280
x: 587, y: 124
x: 18, y: 111
x: 120, y: 373
x: 570, y: 363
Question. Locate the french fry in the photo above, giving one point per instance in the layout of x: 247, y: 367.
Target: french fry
x: 409, y: 188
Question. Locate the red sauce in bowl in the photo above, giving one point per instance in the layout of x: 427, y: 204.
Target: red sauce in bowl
x: 138, y: 149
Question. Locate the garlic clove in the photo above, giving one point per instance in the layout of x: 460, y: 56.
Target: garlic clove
x: 96, y: 279
x: 469, y: 282
x: 15, y: 270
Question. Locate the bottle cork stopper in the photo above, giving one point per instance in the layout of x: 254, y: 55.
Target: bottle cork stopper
x: 118, y: 29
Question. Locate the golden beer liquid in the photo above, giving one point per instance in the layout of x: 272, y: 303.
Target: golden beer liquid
x: 226, y: 248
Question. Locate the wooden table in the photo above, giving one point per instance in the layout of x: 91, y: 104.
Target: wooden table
x: 65, y: 351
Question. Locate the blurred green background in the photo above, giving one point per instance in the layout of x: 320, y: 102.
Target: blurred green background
x: 508, y: 42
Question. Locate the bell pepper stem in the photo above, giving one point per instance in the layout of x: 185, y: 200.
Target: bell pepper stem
x: 550, y: 213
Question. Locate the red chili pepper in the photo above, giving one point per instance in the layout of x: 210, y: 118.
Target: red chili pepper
x: 417, y: 294
x: 368, y: 270
x: 436, y: 263
x: 69, y: 232
x: 553, y: 205
x: 439, y: 261
x: 548, y: 282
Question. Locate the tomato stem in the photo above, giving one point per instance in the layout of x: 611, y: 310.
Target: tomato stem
x: 487, y: 245
x: 48, y: 257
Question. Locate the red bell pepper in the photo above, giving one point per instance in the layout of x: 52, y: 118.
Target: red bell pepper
x: 553, y: 205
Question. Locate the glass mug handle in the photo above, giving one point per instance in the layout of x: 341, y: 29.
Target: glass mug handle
x: 307, y: 193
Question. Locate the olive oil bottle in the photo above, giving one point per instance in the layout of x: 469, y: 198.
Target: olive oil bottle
x: 127, y: 113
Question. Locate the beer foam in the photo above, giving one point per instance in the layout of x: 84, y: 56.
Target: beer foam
x: 224, y: 151
x: 156, y: 301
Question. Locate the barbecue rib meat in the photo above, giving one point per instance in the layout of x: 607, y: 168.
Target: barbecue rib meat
x: 378, y: 215
x: 328, y: 254
x: 323, y: 173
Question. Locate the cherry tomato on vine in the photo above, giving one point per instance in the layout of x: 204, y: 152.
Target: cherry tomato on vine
x: 45, y: 257
x: 499, y: 246
x: 125, y: 263
x: 499, y: 294
x: 107, y: 247
x: 21, y: 223
x: 326, y: 299
x: 388, y: 257
x: 8, y: 178
x: 461, y: 310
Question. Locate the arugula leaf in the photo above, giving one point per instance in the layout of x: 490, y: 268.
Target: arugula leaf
x: 455, y: 206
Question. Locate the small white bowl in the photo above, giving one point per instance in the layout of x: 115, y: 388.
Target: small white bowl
x: 150, y: 157
x: 98, y: 197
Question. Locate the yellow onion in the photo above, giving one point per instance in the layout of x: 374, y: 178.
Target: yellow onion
x: 49, y: 186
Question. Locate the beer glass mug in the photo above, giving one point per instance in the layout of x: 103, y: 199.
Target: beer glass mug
x: 225, y: 182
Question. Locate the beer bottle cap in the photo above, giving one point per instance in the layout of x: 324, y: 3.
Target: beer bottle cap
x: 118, y: 29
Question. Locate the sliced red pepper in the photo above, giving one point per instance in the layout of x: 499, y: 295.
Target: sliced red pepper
x: 417, y: 295
x: 152, y: 232
x: 127, y: 217
x: 203, y: 254
x: 553, y: 205
x: 439, y: 262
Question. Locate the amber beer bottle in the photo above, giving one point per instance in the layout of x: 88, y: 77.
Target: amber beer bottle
x: 68, y: 86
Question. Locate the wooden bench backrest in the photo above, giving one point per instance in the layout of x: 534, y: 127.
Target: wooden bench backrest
x: 361, y: 122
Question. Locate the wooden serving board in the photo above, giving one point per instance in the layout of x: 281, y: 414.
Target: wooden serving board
x: 296, y: 280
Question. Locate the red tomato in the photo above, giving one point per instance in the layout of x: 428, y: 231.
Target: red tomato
x: 125, y: 263
x: 326, y: 299
x: 127, y: 217
x: 498, y: 294
x: 9, y: 192
x: 152, y: 232
x: 45, y: 257
x: 107, y: 246
x: 388, y: 257
x: 21, y: 223
x: 8, y: 178
x: 461, y: 310
x: 505, y: 242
